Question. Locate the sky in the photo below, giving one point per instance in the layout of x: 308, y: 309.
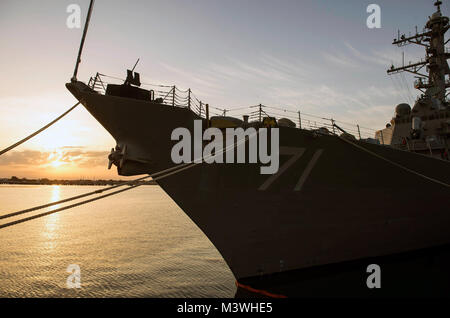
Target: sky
x: 316, y: 56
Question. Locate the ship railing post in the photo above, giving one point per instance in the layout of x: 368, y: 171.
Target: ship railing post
x: 260, y: 113
x: 201, y: 105
x: 95, y: 81
x: 359, y: 132
x: 173, y: 95
x: 299, y: 120
x: 382, y: 138
x: 332, y: 125
x: 429, y: 147
x: 189, y: 98
x: 207, y: 115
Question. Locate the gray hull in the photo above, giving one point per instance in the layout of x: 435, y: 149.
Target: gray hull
x: 334, y: 203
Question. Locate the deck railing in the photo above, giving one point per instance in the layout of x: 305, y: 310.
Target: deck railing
x: 173, y: 96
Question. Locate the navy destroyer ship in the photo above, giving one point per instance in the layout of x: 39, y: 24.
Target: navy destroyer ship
x: 424, y: 128
x: 337, y: 203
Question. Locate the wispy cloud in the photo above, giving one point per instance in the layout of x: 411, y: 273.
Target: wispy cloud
x: 26, y: 157
x: 295, y: 84
x: 339, y: 60
x: 73, y: 157
x: 382, y: 58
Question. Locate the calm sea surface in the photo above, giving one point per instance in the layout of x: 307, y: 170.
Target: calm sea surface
x: 134, y: 244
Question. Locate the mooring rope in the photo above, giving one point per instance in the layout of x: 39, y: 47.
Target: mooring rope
x: 64, y: 208
x: 85, y: 201
x: 38, y: 131
x: 4, y: 216
x: 166, y: 173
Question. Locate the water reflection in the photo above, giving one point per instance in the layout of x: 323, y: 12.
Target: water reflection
x: 152, y: 250
x: 52, y: 221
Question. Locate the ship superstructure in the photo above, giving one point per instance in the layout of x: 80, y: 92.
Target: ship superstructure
x: 424, y: 128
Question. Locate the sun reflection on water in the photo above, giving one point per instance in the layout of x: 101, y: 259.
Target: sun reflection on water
x: 52, y: 221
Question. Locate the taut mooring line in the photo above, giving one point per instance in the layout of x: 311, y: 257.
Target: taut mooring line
x: 156, y: 176
x: 65, y: 207
x: 80, y: 196
x: 173, y: 170
x: 38, y: 131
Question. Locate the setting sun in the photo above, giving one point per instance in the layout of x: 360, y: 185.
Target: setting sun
x: 56, y: 163
x: 54, y: 159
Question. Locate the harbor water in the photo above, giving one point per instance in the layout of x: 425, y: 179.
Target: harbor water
x: 138, y: 243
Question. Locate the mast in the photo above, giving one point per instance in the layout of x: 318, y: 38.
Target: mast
x: 433, y: 84
x: 86, y: 25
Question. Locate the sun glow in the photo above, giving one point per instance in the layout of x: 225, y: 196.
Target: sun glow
x: 56, y: 158
x: 56, y: 163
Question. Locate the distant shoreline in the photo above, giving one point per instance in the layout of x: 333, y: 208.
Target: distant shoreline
x: 45, y: 181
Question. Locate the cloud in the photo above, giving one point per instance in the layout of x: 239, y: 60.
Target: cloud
x: 216, y: 77
x: 365, y: 95
x: 340, y: 60
x: 383, y: 58
x: 201, y: 80
x: 65, y: 155
x: 26, y: 157
x: 265, y: 67
x: 351, y: 57
x: 72, y: 147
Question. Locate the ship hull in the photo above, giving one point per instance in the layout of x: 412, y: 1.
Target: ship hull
x: 336, y: 202
x: 420, y: 273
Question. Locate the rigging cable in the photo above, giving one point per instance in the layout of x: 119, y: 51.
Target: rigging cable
x: 398, y: 87
x: 394, y: 163
x: 83, y: 38
x: 409, y: 89
x: 406, y: 87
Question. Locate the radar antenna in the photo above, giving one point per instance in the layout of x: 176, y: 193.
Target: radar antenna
x: 434, y: 81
